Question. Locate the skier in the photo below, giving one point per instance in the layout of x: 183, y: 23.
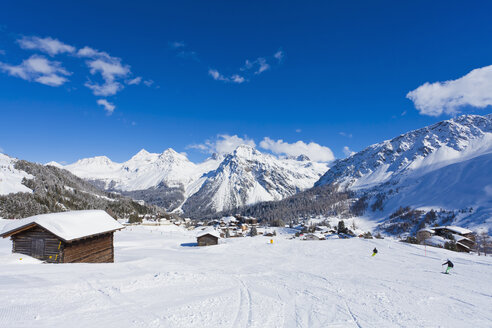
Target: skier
x: 374, y: 251
x: 450, y: 266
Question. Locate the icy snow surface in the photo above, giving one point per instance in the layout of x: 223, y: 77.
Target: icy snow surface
x: 158, y: 280
x: 70, y: 225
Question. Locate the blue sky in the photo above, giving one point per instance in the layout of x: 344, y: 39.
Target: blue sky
x: 200, y: 75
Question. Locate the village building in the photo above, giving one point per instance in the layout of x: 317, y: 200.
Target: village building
x: 438, y: 236
x: 208, y: 238
x: 66, y: 237
x: 313, y: 236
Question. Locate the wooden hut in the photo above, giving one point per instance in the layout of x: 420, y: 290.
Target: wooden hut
x: 66, y: 237
x: 208, y: 238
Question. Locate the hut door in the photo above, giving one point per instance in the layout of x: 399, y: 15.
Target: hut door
x: 38, y: 248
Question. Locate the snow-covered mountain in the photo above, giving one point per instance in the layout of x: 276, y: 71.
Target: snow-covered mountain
x: 142, y: 171
x: 247, y: 176
x: 446, y: 165
x: 28, y: 189
x: 221, y: 182
x: 10, y: 177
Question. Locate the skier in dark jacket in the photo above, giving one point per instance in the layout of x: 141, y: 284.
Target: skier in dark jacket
x: 374, y: 251
x: 450, y: 265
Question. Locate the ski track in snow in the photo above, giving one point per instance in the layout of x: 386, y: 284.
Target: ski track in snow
x: 246, y: 282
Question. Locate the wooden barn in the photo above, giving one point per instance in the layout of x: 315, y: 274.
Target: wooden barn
x: 208, y: 238
x: 66, y: 237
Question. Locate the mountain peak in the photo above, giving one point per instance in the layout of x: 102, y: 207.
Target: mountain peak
x: 141, y: 153
x: 245, y: 151
x: 302, y: 158
x: 171, y: 152
x: 55, y: 164
x: 96, y: 159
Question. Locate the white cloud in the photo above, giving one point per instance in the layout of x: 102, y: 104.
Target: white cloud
x: 263, y: 66
x: 226, y: 143
x: 279, y: 55
x: 39, y: 69
x: 1, y: 150
x: 223, y: 144
x: 177, y: 44
x: 110, y: 68
x: 473, y: 89
x: 88, y: 52
x: 216, y: 75
x: 343, y: 134
x: 313, y: 150
x: 47, y: 45
x: 51, y: 80
x: 298, y: 130
x: 182, y: 51
x: 108, y: 107
x: 105, y: 89
x: 134, y: 81
x: 2, y: 52
x: 249, y: 69
x: 219, y: 77
x: 347, y: 151
x: 148, y: 82
x: 237, y: 79
x: 259, y: 65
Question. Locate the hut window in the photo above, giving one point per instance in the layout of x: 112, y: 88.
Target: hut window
x: 38, y: 247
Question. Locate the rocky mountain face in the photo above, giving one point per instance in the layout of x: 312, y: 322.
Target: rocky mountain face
x: 446, y: 166
x: 29, y: 189
x: 170, y: 180
x: 247, y: 176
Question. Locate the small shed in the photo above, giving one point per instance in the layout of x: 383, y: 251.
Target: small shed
x: 208, y: 238
x: 66, y: 237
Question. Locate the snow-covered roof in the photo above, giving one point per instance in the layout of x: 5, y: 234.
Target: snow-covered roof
x: 214, y: 233
x: 463, y: 245
x: 436, y: 241
x: 427, y: 230
x: 69, y: 225
x: 228, y: 219
x: 458, y: 230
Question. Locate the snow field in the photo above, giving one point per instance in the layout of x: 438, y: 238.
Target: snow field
x: 159, y: 280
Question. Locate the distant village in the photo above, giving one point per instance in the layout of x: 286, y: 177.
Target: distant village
x: 453, y: 238
x: 87, y: 236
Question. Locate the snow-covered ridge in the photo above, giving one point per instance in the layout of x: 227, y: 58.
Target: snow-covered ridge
x: 414, y: 153
x: 10, y: 177
x: 446, y: 165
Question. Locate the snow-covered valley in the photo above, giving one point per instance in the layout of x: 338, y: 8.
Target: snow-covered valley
x: 160, y: 280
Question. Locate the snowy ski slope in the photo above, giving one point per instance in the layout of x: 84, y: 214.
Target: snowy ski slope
x: 247, y: 282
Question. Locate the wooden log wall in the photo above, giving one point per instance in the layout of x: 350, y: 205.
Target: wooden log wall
x: 98, y: 249
x: 53, y: 247
x: 207, y: 240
